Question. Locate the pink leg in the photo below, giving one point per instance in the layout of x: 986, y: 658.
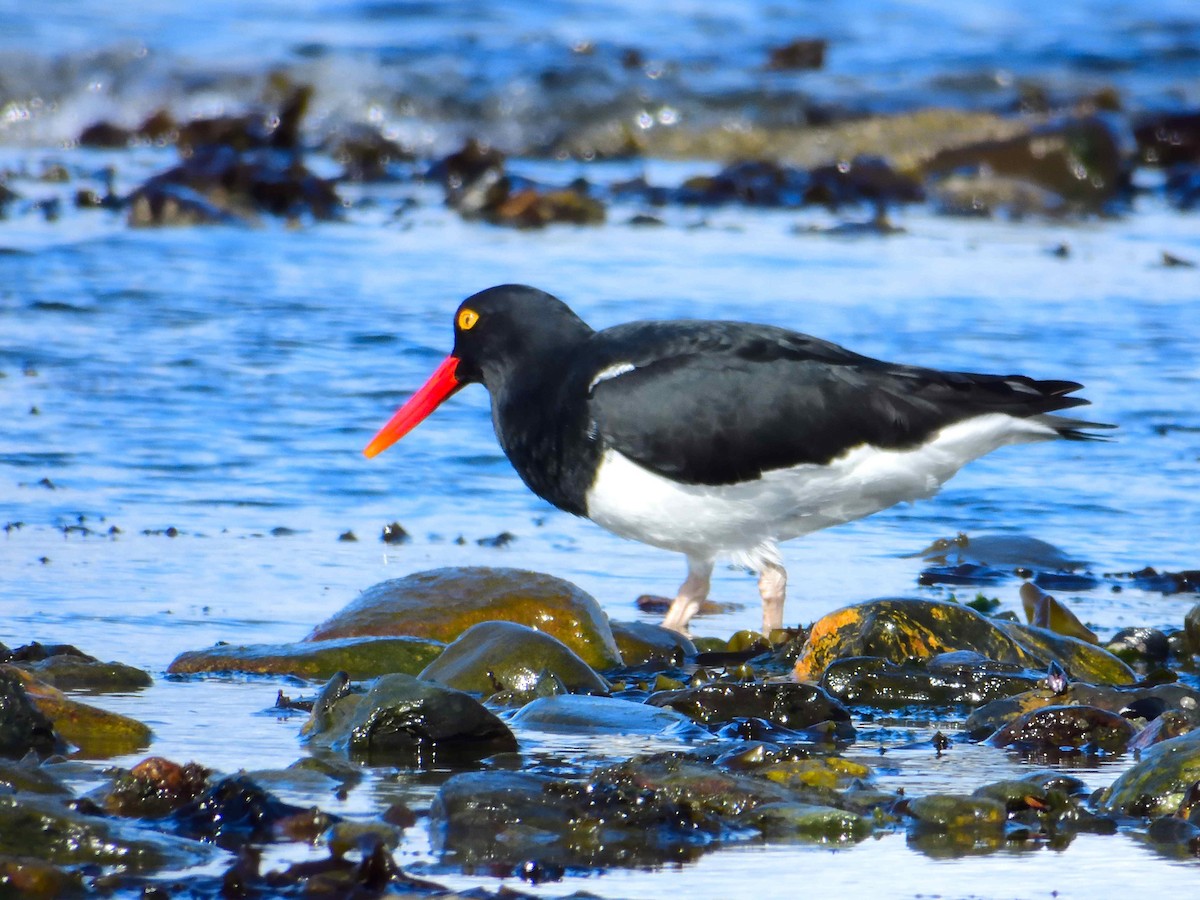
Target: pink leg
x: 772, y: 585
x: 692, y: 593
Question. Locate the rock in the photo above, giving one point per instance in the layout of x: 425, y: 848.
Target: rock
x: 27, y: 775
x: 45, y: 829
x: 806, y: 821
x: 641, y: 643
x: 1157, y: 784
x: 359, y: 657
x: 1082, y: 660
x: 236, y: 810
x: 405, y: 721
x: 1064, y: 730
x: 802, y: 53
x: 154, y: 788
x: 23, y: 727
x: 608, y: 715
x: 1124, y: 700
x: 504, y: 656
x: 955, y: 813
x: 1169, y: 138
x: 79, y: 671
x: 901, y: 629
x: 443, y: 603
x: 791, y: 705
x: 1004, y: 550
x: 95, y: 732
x: 949, y: 679
x: 1082, y: 160
x: 1140, y: 646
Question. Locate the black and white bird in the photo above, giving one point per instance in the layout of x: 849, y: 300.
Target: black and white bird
x: 720, y: 439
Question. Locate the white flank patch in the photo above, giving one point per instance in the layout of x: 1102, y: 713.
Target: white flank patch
x: 612, y: 371
x: 745, y: 520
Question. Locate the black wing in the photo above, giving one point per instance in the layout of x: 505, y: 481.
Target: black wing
x: 721, y: 402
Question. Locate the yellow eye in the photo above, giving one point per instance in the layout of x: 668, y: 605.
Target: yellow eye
x: 467, y: 319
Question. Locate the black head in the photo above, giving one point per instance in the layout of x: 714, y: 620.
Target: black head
x: 512, y: 325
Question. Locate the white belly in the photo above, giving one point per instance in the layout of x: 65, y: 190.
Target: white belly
x: 746, y: 520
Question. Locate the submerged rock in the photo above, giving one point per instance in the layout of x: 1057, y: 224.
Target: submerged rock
x: 359, y: 657
x: 404, y: 721
x: 443, y: 603
x: 45, y: 829
x: 93, y: 731
x: 587, y: 714
x: 504, y: 656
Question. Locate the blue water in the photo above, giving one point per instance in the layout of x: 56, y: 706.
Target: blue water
x: 221, y: 382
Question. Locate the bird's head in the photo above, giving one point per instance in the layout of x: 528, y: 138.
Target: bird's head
x: 496, y: 332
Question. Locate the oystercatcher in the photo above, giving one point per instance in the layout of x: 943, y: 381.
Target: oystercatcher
x: 717, y: 438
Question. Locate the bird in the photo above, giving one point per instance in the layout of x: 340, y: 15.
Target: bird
x: 721, y: 439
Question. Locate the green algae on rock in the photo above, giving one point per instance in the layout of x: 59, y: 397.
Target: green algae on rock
x: 1157, y: 784
x: 504, y: 656
x: 443, y: 603
x: 906, y: 628
x: 359, y: 657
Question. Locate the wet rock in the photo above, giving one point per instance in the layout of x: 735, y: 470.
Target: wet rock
x: 359, y: 657
x: 504, y: 656
x: 474, y: 161
x: 154, y: 788
x: 1139, y: 645
x: 404, y: 721
x: 105, y: 135
x: 1081, y: 660
x: 23, y: 727
x: 1060, y: 730
x: 956, y: 813
x: 1158, y: 783
x: 806, y: 821
x: 236, y: 810
x: 609, y: 715
x: 987, y: 195
x: 1150, y: 579
x: 94, y: 732
x: 217, y: 184
x: 27, y: 775
x: 527, y: 206
x: 902, y: 629
x: 949, y: 679
x: 802, y: 53
x: 45, y: 829
x: 1169, y: 139
x: 641, y: 643
x: 1126, y: 701
x: 1164, y: 727
x: 1044, y: 611
x: 1000, y: 550
x: 366, y: 155
x: 1046, y: 806
x: 67, y: 668
x: 443, y: 603
x: 791, y: 705
x: 647, y: 811
x: 1085, y: 161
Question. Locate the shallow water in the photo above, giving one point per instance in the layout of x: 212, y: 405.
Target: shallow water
x: 221, y: 382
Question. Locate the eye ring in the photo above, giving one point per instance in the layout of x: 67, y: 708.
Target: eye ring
x: 467, y: 319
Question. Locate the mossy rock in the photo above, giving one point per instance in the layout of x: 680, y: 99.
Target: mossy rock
x: 1157, y: 784
x: 359, y: 657
x: 505, y: 656
x: 901, y: 629
x: 443, y: 603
